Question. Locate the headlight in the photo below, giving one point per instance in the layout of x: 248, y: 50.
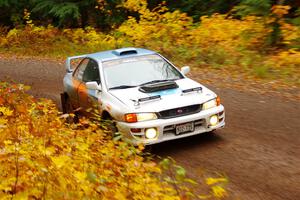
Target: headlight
x: 212, y: 103
x: 138, y: 117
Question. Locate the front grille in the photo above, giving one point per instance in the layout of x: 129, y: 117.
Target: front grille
x: 182, y: 111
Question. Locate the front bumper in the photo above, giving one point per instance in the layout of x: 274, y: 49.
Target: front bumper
x: 166, y: 127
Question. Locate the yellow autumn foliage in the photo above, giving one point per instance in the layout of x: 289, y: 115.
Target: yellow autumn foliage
x: 42, y: 157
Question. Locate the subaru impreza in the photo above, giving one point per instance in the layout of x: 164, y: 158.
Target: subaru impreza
x: 143, y: 93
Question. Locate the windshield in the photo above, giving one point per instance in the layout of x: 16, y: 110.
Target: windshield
x: 135, y: 71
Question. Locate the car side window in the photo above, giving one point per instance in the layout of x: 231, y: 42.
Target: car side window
x: 91, y: 72
x: 81, y: 68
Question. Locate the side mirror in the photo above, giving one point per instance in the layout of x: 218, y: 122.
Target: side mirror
x: 185, y: 70
x: 93, y: 85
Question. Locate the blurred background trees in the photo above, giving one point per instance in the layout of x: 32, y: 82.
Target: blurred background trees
x: 106, y: 14
x: 260, y: 37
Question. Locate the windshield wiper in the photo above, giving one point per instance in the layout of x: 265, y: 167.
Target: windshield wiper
x: 122, y: 87
x: 158, y: 81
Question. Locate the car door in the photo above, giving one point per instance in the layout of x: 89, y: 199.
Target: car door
x: 77, y: 82
x: 89, y: 98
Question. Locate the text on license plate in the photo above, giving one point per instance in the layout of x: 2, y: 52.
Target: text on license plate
x: 183, y: 128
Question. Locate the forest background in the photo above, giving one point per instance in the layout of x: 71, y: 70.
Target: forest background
x: 256, y: 38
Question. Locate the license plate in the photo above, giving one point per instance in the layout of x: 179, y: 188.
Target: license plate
x: 184, y: 128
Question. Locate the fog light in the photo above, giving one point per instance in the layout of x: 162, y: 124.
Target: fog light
x: 213, y: 120
x: 151, y: 133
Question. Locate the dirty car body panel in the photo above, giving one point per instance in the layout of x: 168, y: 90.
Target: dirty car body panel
x: 149, y: 99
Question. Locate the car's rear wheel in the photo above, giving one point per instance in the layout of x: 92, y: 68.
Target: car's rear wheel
x: 68, y: 108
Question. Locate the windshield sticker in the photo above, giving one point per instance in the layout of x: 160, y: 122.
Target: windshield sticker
x: 129, y: 60
x: 112, y: 63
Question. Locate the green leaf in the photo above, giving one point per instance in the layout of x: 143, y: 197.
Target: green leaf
x: 91, y: 177
x: 180, y: 173
x: 165, y: 163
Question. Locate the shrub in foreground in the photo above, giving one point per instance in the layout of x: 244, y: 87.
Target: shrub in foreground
x: 42, y: 157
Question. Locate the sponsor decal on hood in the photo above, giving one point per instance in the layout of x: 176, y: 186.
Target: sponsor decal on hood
x: 170, y: 98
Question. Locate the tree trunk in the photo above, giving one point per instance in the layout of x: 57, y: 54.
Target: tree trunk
x: 84, y: 17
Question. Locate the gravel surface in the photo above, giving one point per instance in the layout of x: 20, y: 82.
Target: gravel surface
x: 259, y: 150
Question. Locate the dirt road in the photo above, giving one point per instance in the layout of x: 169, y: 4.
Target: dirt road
x: 259, y: 150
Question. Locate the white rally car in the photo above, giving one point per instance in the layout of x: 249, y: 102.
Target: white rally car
x: 147, y: 97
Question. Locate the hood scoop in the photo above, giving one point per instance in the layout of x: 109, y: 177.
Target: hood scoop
x: 149, y: 88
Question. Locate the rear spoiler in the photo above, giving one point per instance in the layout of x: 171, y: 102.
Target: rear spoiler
x: 68, y: 62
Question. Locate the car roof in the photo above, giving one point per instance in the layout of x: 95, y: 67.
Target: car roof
x: 119, y: 53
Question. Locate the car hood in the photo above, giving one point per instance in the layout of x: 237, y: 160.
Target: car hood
x: 170, y: 98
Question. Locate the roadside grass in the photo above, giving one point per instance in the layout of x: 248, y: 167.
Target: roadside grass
x: 56, y: 44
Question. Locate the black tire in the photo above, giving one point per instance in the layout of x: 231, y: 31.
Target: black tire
x: 63, y: 97
x: 109, y: 126
x: 68, y: 108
